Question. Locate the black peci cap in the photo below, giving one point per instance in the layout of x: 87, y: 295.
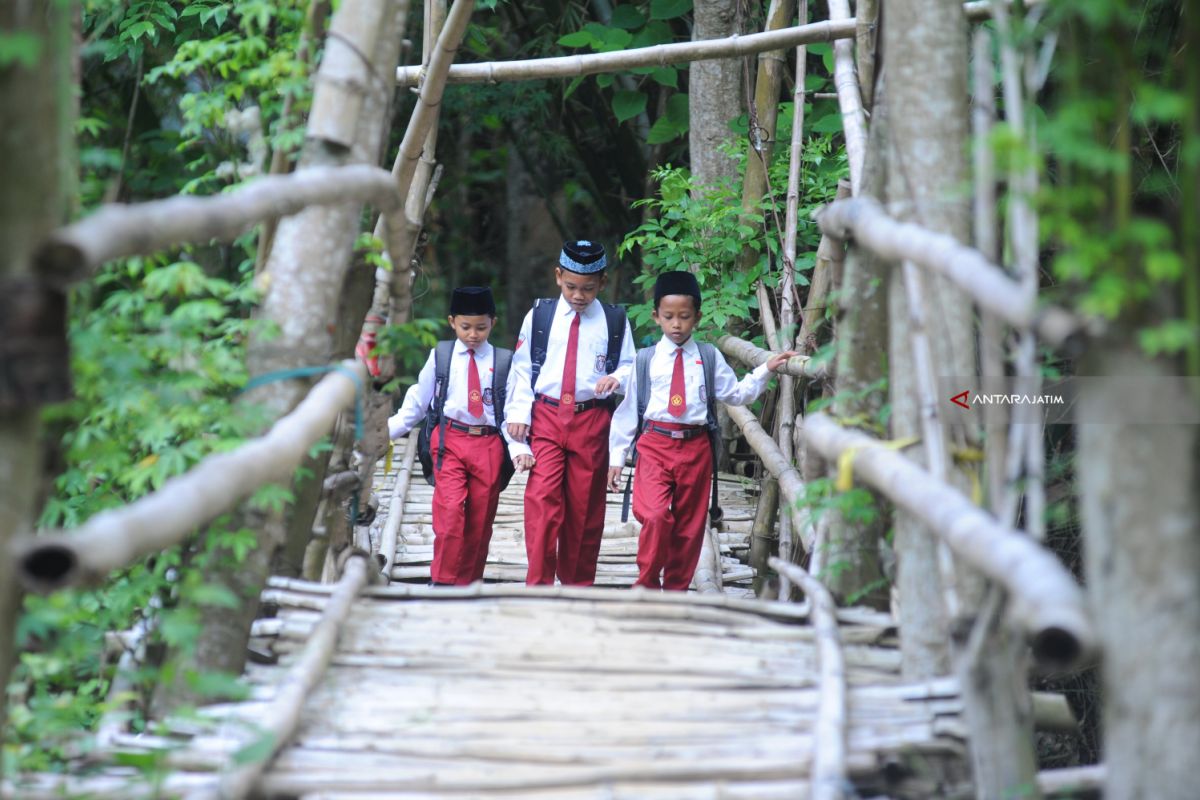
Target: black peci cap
x: 472, y: 301
x: 583, y: 257
x: 676, y: 283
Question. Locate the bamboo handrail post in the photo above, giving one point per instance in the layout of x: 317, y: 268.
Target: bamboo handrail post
x: 829, y: 777
x: 1044, y: 599
x: 115, y: 538
x: 791, y: 488
x: 282, y: 717
x: 389, y: 540
x: 845, y: 80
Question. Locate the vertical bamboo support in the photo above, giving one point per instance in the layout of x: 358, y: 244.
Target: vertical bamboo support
x: 389, y: 541
x: 854, y: 121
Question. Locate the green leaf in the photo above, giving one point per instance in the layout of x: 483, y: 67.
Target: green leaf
x: 604, y: 81
x: 830, y: 123
x: 214, y: 594
x: 655, y: 32
x: 578, y: 39
x: 666, y: 76
x: 259, y: 750
x: 19, y: 47
x: 572, y: 86
x: 627, y: 104
x: 627, y: 17
x: 669, y: 9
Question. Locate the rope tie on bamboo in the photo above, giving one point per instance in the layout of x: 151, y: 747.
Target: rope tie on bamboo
x: 845, y: 476
x: 306, y: 372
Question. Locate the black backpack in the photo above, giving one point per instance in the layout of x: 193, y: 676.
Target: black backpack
x: 543, y: 317
x: 708, y: 355
x: 434, y: 418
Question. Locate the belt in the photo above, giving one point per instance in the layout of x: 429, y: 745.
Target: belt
x: 473, y: 430
x: 595, y: 402
x: 684, y: 433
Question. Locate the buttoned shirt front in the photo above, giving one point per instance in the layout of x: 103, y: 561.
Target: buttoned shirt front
x: 590, y: 359
x: 728, y: 389
x: 421, y: 394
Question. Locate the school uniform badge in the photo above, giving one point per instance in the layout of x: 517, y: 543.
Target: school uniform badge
x: 601, y: 363
x: 487, y: 396
x: 676, y: 400
x: 703, y: 394
x: 475, y: 396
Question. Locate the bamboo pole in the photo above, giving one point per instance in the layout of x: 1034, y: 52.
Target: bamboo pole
x: 864, y: 220
x: 791, y: 488
x: 282, y: 717
x: 1074, y: 783
x: 866, y: 18
x: 751, y: 355
x: 854, y: 120
x: 829, y: 731
x: 657, y: 56
x: 389, y: 539
x: 118, y: 537
x: 424, y: 117
x: 826, y: 275
x: 118, y: 230
x: 1045, y: 599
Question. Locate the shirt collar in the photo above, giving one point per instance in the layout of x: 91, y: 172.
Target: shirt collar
x: 481, y: 351
x: 690, y: 348
x: 564, y: 308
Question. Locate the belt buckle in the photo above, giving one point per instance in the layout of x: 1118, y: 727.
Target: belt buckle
x: 475, y: 430
x: 678, y: 434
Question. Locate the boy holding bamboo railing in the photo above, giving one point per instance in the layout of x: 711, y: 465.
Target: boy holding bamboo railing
x: 667, y: 417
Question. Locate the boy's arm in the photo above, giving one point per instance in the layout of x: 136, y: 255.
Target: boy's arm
x: 515, y: 448
x: 518, y: 409
x: 416, y: 401
x: 624, y: 425
x: 734, y: 392
x: 624, y: 369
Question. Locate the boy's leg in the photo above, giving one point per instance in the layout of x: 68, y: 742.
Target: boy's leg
x: 586, y: 489
x: 544, y: 499
x: 449, y: 507
x: 483, y: 495
x: 653, y: 486
x: 693, y: 485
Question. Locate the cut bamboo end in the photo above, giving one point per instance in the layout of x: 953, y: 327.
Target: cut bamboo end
x: 47, y: 564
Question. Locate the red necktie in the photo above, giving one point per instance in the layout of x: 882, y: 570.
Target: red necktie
x: 474, y: 396
x: 678, y: 402
x: 566, y: 398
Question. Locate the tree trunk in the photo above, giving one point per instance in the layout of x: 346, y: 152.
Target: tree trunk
x: 850, y: 563
x: 926, y: 64
x: 305, y: 277
x: 715, y: 91
x: 36, y: 109
x: 1140, y: 505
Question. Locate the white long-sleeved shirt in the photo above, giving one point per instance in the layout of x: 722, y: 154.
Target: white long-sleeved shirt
x: 590, y: 358
x: 420, y: 394
x: 728, y: 389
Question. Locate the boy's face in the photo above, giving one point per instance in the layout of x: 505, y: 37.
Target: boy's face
x: 578, y: 290
x: 472, y: 329
x: 677, y: 316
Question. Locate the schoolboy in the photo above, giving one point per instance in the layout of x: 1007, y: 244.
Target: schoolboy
x: 468, y: 450
x: 673, y: 470
x: 572, y: 353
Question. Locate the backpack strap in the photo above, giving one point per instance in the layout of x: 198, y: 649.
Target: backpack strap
x: 708, y: 357
x: 501, y: 362
x: 543, y: 318
x: 642, y: 367
x: 441, y: 369
x: 614, y: 315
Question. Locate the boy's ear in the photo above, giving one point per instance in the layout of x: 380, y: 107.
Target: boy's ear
x: 450, y: 320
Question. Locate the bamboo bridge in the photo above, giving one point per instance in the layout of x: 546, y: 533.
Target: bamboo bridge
x: 363, y: 689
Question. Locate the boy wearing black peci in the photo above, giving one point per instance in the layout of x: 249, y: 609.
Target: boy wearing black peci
x: 572, y: 353
x: 674, y: 465
x: 466, y: 446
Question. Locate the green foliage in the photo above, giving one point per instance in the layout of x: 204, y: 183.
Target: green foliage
x: 19, y: 47
x: 705, y: 229
x: 1121, y: 161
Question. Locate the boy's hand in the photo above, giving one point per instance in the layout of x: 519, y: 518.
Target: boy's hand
x: 606, y: 386
x: 523, y: 463
x: 518, y: 432
x: 614, y: 479
x: 779, y: 359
